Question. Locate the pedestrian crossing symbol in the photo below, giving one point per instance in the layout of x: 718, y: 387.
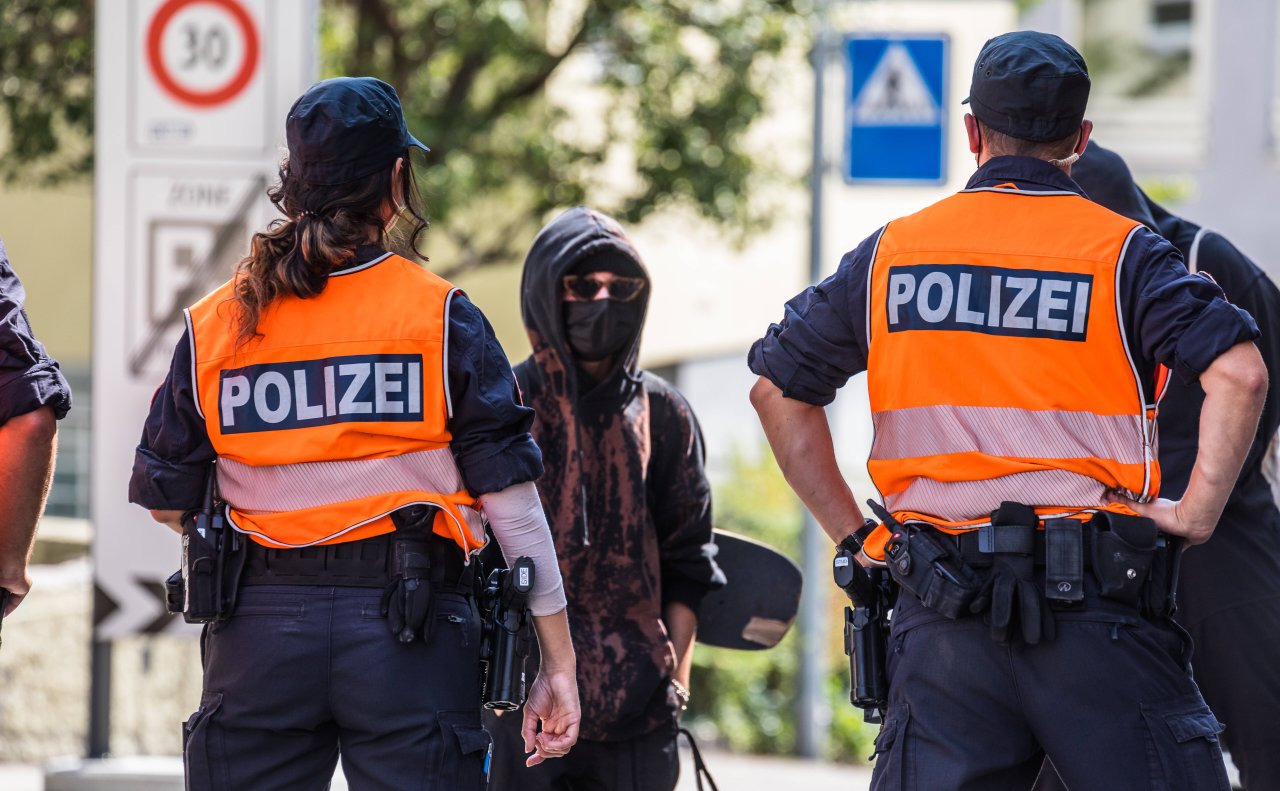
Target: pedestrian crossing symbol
x: 894, y: 130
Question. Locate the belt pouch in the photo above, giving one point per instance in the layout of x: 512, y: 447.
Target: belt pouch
x: 1063, y: 560
x: 1123, y: 549
x: 932, y: 574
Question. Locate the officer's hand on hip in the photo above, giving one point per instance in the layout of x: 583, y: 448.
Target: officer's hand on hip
x: 553, y: 700
x: 1175, y: 517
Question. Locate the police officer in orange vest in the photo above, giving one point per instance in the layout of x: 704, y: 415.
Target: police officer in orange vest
x: 1016, y: 339
x: 1229, y: 589
x: 362, y: 417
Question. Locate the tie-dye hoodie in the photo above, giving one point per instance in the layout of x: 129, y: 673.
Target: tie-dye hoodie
x: 624, y: 489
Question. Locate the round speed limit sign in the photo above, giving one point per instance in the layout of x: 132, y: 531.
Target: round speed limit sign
x: 202, y: 52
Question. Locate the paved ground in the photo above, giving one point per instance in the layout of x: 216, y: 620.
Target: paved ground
x: 731, y: 773
x: 759, y: 773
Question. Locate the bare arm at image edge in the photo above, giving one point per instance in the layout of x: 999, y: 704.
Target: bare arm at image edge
x: 800, y: 437
x: 1235, y: 388
x: 27, y: 445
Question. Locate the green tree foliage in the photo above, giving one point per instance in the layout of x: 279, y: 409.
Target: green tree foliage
x: 679, y: 82
x: 46, y: 90
x: 746, y: 699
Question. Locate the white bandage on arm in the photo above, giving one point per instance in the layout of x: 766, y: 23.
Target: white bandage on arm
x: 515, y: 515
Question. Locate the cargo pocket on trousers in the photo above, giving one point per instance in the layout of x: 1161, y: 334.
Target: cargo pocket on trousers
x: 465, y: 744
x: 203, y: 756
x: 1182, y: 746
x: 891, y: 750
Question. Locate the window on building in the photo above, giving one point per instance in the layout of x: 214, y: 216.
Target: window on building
x: 1170, y: 32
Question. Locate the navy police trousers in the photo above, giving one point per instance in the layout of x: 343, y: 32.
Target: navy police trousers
x: 301, y: 673
x: 1110, y: 700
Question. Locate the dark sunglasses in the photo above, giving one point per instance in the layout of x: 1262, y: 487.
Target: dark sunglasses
x: 585, y: 287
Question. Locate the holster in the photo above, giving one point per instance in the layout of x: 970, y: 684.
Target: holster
x: 931, y: 570
x: 866, y: 633
x: 1124, y: 549
x: 207, y: 585
x: 1160, y: 596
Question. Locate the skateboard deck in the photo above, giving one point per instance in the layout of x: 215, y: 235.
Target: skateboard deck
x: 759, y: 602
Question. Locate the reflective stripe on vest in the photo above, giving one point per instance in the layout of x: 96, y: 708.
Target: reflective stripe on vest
x: 998, y: 367
x: 276, y: 493
x: 336, y: 415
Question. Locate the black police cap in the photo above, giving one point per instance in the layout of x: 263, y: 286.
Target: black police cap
x: 346, y: 128
x: 1029, y: 85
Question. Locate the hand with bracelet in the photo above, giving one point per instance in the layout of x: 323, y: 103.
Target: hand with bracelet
x: 681, y: 693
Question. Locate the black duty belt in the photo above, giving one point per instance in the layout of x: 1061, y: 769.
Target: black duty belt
x: 366, y: 563
x: 979, y: 547
x: 991, y: 569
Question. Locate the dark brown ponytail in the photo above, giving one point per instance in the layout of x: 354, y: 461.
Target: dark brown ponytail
x: 322, y: 227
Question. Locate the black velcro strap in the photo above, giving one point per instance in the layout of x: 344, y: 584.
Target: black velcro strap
x: 1063, y: 560
x: 1007, y: 539
x: 1011, y: 513
x: 967, y: 543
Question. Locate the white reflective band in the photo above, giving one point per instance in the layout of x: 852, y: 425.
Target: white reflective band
x: 293, y: 487
x: 1005, y: 431
x: 960, y: 501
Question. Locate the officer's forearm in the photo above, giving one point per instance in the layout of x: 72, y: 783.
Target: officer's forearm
x: 801, y: 442
x: 27, y: 445
x: 1235, y: 386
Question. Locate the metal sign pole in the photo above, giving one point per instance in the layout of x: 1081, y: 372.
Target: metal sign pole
x: 190, y: 102
x: 812, y: 715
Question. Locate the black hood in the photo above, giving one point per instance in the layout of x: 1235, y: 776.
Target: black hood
x: 577, y: 234
x: 1106, y: 180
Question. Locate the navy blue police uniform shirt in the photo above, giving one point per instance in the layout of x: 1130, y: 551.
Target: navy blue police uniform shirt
x: 490, y: 426
x: 29, y: 377
x: 1172, y: 317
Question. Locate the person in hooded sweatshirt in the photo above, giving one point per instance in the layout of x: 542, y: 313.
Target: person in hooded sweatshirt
x: 1229, y: 587
x: 629, y: 507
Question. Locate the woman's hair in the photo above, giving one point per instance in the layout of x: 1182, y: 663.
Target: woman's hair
x: 322, y: 226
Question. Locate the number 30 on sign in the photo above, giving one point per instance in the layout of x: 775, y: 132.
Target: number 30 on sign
x: 202, y: 52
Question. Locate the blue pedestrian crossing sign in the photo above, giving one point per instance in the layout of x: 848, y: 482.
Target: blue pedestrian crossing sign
x: 895, y: 109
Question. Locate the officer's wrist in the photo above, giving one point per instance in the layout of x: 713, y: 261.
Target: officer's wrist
x: 853, y: 542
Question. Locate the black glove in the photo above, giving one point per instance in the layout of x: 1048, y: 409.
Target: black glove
x: 1011, y: 591
x: 407, y: 604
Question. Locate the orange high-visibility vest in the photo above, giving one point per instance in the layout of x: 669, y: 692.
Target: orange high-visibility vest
x: 336, y: 415
x: 998, y: 368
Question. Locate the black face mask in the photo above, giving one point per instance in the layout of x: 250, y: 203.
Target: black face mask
x: 600, y: 329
